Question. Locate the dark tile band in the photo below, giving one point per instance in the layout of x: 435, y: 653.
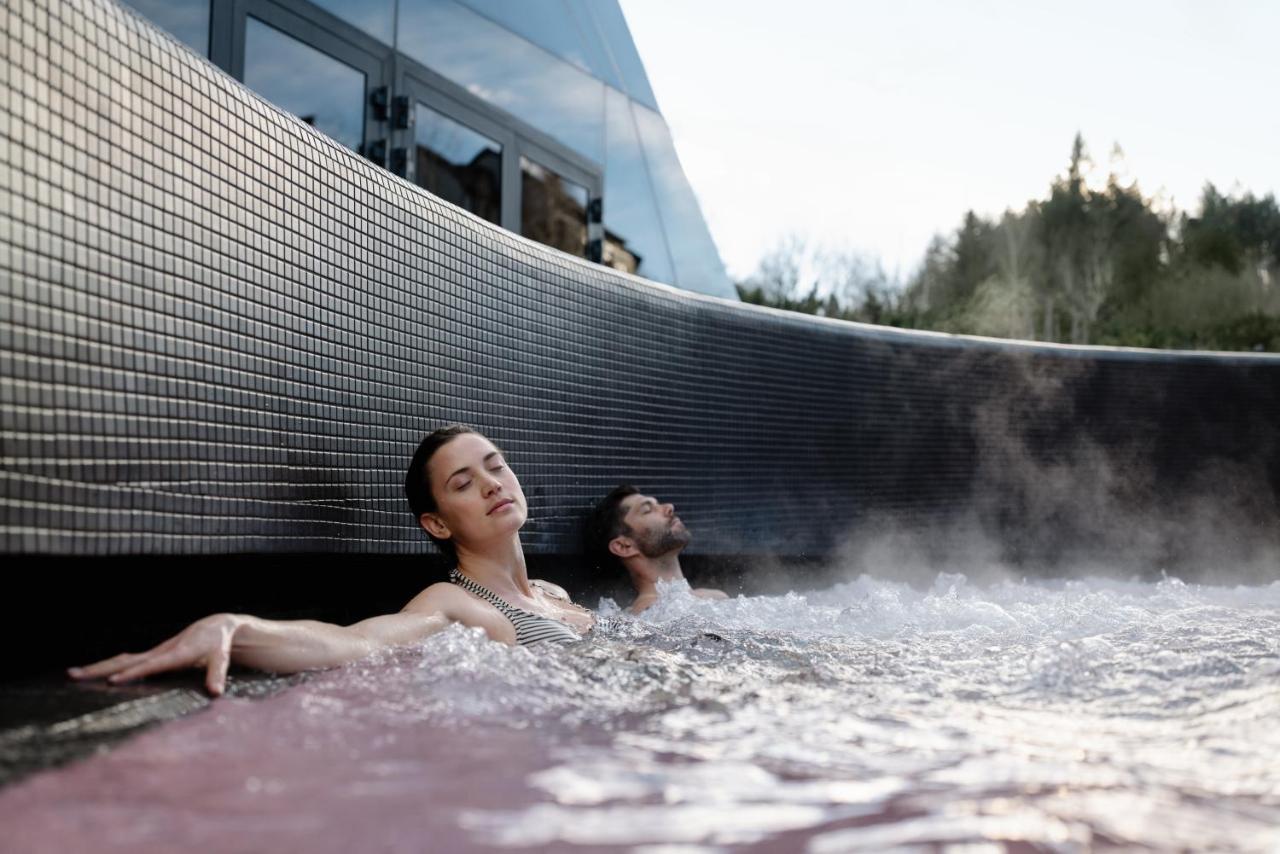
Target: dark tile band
x: 225, y: 333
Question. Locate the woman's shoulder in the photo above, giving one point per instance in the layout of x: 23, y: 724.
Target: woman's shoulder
x: 442, y: 596
x: 460, y: 606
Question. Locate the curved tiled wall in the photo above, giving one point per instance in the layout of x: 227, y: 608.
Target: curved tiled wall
x: 225, y: 333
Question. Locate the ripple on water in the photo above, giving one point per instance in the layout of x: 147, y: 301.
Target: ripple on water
x: 1065, y: 714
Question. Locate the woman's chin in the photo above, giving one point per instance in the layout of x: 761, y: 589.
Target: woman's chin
x: 509, y: 519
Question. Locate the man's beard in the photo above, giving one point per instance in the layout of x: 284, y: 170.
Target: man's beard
x: 658, y: 543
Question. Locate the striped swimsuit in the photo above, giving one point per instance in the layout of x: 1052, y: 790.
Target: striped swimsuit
x: 530, y: 628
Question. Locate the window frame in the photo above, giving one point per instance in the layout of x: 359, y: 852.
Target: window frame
x: 517, y: 138
x: 382, y: 66
x: 317, y: 29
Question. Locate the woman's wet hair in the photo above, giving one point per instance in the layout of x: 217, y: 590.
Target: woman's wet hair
x: 605, y: 523
x: 417, y: 481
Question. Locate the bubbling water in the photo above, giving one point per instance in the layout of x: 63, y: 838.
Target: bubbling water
x: 1061, y: 715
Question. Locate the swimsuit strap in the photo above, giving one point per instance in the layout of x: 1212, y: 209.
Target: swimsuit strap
x: 530, y: 628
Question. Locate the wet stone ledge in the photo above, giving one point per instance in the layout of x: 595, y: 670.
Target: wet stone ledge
x: 50, y: 721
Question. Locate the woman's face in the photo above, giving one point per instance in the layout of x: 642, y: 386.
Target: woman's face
x: 478, y: 498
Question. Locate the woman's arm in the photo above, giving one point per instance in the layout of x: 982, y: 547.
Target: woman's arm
x: 280, y: 646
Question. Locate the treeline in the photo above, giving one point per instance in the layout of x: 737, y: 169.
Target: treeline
x: 1084, y: 266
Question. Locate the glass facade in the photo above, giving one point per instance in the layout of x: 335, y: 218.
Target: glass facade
x: 375, y: 17
x: 611, y: 28
x: 692, y: 250
x: 325, y: 93
x: 553, y: 209
x: 458, y: 164
x: 185, y: 20
x: 540, y: 98
x: 531, y: 22
x: 507, y: 71
x: 631, y: 212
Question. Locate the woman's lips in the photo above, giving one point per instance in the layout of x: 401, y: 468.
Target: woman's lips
x: 499, y: 506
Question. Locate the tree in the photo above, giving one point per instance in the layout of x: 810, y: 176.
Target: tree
x: 1083, y: 265
x: 1233, y: 233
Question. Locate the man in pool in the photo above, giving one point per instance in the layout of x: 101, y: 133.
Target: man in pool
x: 644, y: 537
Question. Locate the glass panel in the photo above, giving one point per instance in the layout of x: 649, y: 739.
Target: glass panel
x: 185, y: 20
x: 555, y: 26
x: 617, y: 39
x: 630, y: 215
x: 618, y: 255
x: 697, y: 263
x: 553, y: 210
x: 375, y: 17
x: 458, y: 164
x: 497, y: 65
x: 323, y: 92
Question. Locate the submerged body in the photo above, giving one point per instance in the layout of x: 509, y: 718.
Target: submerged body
x: 1059, y: 715
x: 466, y: 499
x: 644, y: 537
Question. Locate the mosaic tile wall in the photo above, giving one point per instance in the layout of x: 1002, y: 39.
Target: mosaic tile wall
x: 223, y: 333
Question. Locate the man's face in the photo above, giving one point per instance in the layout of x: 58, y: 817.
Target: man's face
x: 654, y: 528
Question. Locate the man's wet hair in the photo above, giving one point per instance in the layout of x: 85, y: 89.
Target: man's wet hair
x: 603, y: 524
x: 417, y: 480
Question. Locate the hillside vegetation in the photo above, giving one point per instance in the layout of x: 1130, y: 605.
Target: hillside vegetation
x: 1083, y: 265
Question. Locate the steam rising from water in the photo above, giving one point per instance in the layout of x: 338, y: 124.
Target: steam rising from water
x: 1066, y: 714
x: 1057, y: 488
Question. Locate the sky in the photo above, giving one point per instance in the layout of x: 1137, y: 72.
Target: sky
x: 873, y: 126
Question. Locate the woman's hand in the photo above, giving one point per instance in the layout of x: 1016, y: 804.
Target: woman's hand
x: 205, y: 643
x: 278, y: 646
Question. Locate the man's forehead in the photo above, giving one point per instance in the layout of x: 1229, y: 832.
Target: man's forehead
x: 631, y: 502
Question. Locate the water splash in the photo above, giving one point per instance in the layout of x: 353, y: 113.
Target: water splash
x: 1065, y: 715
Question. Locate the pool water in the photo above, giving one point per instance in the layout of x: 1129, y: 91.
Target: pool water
x: 1043, y: 715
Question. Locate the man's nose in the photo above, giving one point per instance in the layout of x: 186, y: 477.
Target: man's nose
x: 669, y: 509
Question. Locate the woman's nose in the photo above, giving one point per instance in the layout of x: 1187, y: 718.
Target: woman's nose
x: 490, y: 484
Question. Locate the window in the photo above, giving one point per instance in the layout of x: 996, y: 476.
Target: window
x: 487, y: 161
x: 553, y: 210
x: 458, y: 164
x: 505, y: 70
x: 327, y: 94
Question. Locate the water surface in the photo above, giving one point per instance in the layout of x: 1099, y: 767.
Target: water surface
x: 1066, y: 715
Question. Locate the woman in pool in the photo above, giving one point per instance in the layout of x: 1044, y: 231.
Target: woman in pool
x: 470, y: 503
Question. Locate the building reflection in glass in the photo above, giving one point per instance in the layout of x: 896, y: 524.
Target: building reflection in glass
x: 185, y: 20
x: 553, y: 210
x: 566, y: 69
x: 506, y: 70
x: 566, y: 31
x: 618, y: 255
x: 629, y: 209
x: 458, y: 164
x: 323, y: 92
